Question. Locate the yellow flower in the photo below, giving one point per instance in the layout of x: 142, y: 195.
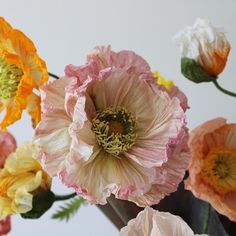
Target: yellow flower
x: 21, y: 178
x: 161, y: 81
x: 21, y: 71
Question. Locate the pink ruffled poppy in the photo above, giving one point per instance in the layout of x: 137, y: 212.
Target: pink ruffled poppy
x: 212, y: 171
x: 7, y: 145
x: 155, y: 223
x: 108, y: 128
x: 5, y: 226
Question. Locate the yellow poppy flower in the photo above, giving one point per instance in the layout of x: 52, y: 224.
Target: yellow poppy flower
x: 21, y: 178
x: 21, y: 71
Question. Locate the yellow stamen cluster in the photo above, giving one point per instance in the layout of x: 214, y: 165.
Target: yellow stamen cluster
x: 219, y: 170
x: 10, y: 76
x: 114, y: 129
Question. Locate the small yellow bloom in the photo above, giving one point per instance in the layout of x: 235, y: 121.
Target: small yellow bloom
x: 21, y: 178
x: 161, y: 81
x: 21, y: 71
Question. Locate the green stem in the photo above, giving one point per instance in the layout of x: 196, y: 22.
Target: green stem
x: 64, y: 197
x: 53, y: 75
x: 223, y: 90
x: 207, y: 219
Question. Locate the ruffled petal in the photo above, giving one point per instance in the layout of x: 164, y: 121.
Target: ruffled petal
x: 154, y: 223
x: 52, y: 133
x: 122, y: 177
x: 126, y: 60
x: 168, y: 177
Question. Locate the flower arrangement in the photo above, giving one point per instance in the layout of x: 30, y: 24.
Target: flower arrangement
x: 115, y: 132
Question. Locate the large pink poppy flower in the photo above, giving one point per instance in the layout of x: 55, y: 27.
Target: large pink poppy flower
x: 7, y: 145
x: 108, y: 128
x: 212, y: 171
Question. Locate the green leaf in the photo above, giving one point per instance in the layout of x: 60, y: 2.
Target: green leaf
x: 192, y: 71
x: 69, y: 210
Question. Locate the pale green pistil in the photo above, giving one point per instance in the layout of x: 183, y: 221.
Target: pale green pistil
x: 10, y: 76
x: 115, y: 130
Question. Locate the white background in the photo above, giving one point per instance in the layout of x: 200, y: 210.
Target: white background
x: 64, y: 31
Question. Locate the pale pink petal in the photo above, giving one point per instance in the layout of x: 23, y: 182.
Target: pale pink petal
x: 83, y: 141
x: 173, y: 92
x: 53, y: 148
x: 176, y: 92
x: 82, y: 72
x: 126, y: 60
x: 51, y: 135
x: 168, y: 177
x: 156, y: 132
x: 151, y: 222
x: 130, y: 61
x: 101, y: 55
x: 111, y: 89
x: 53, y: 95
x: 96, y: 180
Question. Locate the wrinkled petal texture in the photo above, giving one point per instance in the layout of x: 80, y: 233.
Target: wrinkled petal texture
x: 17, y: 49
x: 205, y: 44
x: 7, y: 145
x: 67, y: 145
x: 155, y: 223
x: 203, y: 139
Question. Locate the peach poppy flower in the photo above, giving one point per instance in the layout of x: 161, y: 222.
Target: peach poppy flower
x: 7, y: 145
x: 5, y: 226
x: 150, y: 222
x: 205, y: 44
x: 108, y: 128
x: 212, y: 171
x: 21, y: 71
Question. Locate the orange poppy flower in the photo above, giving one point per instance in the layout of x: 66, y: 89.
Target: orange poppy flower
x: 212, y: 171
x: 21, y: 72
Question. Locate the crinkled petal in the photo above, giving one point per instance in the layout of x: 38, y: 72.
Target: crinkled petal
x: 106, y: 174
x: 154, y: 223
x: 52, y: 133
x: 126, y: 60
x: 168, y: 177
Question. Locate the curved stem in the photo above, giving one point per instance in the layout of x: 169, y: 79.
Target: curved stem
x: 64, y: 197
x: 223, y: 90
x: 207, y: 219
x: 53, y: 75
